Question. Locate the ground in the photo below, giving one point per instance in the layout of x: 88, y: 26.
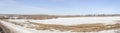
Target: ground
x: 64, y: 25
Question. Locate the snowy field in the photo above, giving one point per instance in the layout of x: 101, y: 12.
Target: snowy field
x: 61, y: 21
x: 75, y: 20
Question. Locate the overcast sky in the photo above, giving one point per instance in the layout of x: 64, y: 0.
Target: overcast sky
x: 60, y: 7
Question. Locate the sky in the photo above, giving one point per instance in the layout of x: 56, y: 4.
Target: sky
x: 60, y: 7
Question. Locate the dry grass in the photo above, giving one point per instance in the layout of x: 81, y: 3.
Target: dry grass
x: 74, y: 28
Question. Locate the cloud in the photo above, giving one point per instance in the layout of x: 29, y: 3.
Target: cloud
x: 12, y: 7
x: 4, y: 2
x: 22, y: 9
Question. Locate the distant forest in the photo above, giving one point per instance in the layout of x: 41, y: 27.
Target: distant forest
x: 13, y: 16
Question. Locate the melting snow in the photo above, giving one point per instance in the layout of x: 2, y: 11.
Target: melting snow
x: 62, y: 21
x: 79, y: 20
x: 18, y: 29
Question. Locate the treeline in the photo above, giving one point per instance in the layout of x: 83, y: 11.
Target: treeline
x: 92, y: 15
x: 14, y: 16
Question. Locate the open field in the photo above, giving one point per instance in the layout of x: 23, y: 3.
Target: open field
x: 74, y: 28
x: 75, y: 24
x: 62, y: 24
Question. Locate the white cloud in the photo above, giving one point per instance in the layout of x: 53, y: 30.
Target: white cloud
x: 4, y: 2
x: 22, y: 9
x: 12, y: 7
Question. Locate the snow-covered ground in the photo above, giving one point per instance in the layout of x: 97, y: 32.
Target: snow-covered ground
x: 61, y: 21
x: 19, y: 29
x: 76, y: 20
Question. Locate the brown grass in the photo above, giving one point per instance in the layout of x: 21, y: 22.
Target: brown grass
x: 74, y: 28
